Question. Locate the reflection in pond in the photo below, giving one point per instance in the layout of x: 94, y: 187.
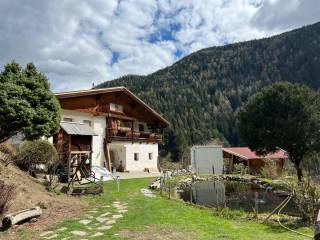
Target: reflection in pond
x: 235, y: 195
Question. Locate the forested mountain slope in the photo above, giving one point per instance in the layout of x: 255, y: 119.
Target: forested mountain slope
x: 200, y: 94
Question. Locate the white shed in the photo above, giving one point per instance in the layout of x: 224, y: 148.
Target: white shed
x: 207, y: 159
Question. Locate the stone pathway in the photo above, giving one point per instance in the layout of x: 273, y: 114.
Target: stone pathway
x: 94, y: 223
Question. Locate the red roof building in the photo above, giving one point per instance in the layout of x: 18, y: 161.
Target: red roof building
x: 236, y: 155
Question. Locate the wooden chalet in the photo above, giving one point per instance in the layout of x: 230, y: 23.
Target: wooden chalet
x: 111, y: 127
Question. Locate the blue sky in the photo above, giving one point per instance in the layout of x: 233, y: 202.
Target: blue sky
x: 78, y: 42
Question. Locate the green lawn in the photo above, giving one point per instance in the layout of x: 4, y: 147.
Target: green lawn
x: 160, y: 218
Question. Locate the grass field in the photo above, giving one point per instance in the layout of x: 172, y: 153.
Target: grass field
x: 160, y: 218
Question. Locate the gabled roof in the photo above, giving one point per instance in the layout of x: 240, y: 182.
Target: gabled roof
x: 246, y: 153
x: 71, y: 94
x: 73, y: 128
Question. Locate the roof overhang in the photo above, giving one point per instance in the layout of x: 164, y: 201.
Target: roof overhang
x: 81, y: 129
x: 71, y: 94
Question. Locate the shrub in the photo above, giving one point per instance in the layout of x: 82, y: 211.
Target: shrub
x: 240, y: 168
x: 306, y: 195
x: 7, y: 153
x: 270, y: 170
x: 6, y: 196
x: 33, y: 153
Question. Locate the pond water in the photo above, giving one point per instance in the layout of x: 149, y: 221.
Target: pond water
x: 235, y: 195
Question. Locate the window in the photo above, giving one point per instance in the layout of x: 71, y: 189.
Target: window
x: 150, y: 156
x: 88, y: 122
x: 66, y: 119
x: 141, y: 127
x: 116, y: 107
x: 136, y: 156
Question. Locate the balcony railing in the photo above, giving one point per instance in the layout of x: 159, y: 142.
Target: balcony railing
x: 127, y: 134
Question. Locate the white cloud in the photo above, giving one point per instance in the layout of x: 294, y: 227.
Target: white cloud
x: 280, y: 15
x: 76, y: 42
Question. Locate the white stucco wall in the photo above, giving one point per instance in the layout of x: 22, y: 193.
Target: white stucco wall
x: 99, y: 126
x: 143, y: 149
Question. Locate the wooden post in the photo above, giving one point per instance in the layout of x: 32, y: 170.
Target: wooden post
x: 161, y: 185
x: 317, y: 227
x: 132, y: 131
x: 191, y: 200
x: 169, y: 190
x: 118, y: 183
x: 256, y: 203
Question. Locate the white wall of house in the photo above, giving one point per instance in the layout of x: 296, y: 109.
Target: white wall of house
x: 99, y: 125
x: 122, y: 151
x: 125, y: 152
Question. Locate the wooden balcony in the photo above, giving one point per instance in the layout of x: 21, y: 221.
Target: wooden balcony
x: 128, y: 134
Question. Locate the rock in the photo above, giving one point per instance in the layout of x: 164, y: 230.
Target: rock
x: 51, y: 237
x: 101, y: 219
x: 85, y: 221
x: 103, y: 228
x: 116, y: 216
x: 42, y: 205
x: 111, y: 222
x: 46, y: 233
x: 79, y: 233
x: 97, y: 234
x: 61, y: 229
x: 32, y: 220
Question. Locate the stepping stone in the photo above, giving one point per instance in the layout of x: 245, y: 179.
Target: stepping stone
x: 117, y: 216
x: 97, y: 234
x: 101, y: 219
x: 121, y: 207
x: 105, y: 214
x: 116, y: 202
x: 61, y: 229
x: 46, y: 233
x: 122, y: 210
x: 92, y: 211
x: 85, y: 221
x: 88, y: 216
x: 79, y: 233
x: 103, y: 228
x: 51, y: 237
x: 111, y: 222
x: 106, y: 206
x: 147, y: 192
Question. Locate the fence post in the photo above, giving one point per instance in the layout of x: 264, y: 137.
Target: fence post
x: 161, y: 185
x: 169, y: 190
x: 118, y: 183
x: 317, y: 228
x: 256, y: 203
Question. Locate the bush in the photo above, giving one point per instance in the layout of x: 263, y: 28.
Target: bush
x: 306, y: 195
x: 240, y: 168
x: 33, y: 153
x: 7, y: 153
x: 270, y: 170
x: 6, y: 196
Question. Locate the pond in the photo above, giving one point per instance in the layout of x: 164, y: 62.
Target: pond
x: 235, y: 195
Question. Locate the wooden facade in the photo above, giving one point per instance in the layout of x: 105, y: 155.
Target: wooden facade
x: 127, y: 119
x: 248, y: 158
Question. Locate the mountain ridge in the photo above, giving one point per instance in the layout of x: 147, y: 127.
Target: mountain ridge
x: 200, y: 93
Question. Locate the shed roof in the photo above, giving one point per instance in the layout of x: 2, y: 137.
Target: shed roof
x: 246, y: 153
x: 73, y: 128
